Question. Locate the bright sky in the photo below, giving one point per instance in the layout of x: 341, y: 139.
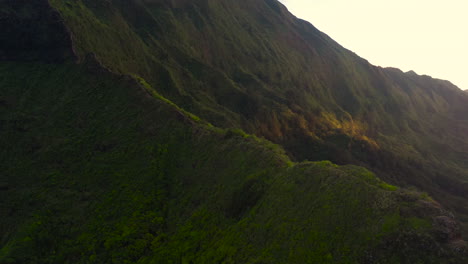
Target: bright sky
x: 427, y: 36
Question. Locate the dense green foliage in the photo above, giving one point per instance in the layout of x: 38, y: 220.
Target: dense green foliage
x: 252, y: 65
x: 114, y: 159
x: 101, y: 172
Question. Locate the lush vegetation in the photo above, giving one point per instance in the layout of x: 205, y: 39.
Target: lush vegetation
x: 99, y: 171
x: 115, y: 159
x: 252, y: 65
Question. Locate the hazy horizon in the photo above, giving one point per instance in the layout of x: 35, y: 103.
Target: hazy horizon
x: 428, y: 37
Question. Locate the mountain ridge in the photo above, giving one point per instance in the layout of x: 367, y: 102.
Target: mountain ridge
x: 251, y: 180
x: 345, y: 110
x: 101, y: 182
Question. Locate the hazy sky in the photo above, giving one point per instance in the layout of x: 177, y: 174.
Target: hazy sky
x: 429, y: 37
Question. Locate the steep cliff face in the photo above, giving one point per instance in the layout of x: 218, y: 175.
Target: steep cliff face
x: 253, y: 65
x: 104, y: 161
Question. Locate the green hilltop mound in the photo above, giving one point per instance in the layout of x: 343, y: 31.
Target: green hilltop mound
x: 122, y: 140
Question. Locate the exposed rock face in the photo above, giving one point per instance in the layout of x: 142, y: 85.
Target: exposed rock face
x: 33, y: 30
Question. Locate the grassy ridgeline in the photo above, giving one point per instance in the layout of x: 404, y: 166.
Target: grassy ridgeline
x: 97, y: 170
x: 252, y: 65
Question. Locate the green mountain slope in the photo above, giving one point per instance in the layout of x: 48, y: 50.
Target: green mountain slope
x: 98, y: 166
x: 251, y: 64
x: 99, y: 171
